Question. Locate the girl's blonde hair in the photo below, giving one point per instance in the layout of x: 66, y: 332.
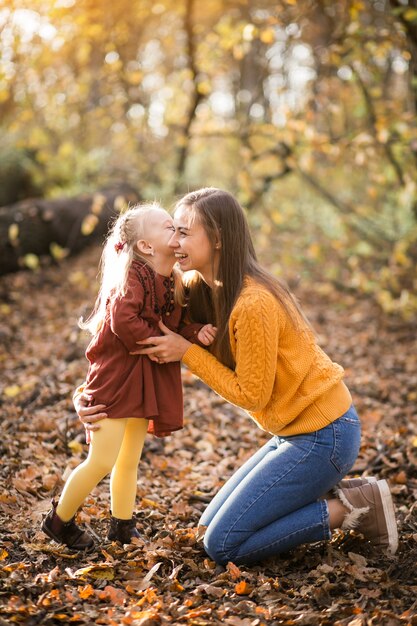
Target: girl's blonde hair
x: 118, y: 253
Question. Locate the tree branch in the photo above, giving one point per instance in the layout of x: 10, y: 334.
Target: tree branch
x: 372, y: 121
x: 196, y: 97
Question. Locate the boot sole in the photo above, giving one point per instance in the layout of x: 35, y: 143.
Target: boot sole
x: 389, y: 514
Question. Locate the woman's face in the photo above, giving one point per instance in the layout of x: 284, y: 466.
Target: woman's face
x: 192, y: 247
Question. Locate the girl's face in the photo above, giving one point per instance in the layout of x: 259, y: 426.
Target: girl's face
x: 193, y: 249
x: 159, y: 228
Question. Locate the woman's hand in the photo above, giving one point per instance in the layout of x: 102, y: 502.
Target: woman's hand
x: 170, y: 347
x: 88, y: 415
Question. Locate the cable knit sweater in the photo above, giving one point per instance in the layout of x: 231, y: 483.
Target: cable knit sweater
x: 282, y: 378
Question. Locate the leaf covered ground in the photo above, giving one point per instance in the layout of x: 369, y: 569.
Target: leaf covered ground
x: 165, y: 577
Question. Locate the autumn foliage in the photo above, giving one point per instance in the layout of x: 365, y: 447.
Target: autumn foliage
x: 306, y: 110
x: 165, y: 577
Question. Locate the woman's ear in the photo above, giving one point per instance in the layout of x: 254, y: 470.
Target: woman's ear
x: 144, y: 247
x: 218, y: 242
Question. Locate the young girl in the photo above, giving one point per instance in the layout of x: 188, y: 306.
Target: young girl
x: 138, y: 289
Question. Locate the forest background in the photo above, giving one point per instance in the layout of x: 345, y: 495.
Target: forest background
x: 306, y: 110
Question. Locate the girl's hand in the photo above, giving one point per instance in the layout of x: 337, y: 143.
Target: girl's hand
x: 171, y: 347
x: 207, y: 334
x: 88, y: 415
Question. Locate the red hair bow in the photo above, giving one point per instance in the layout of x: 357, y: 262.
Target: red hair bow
x: 119, y: 246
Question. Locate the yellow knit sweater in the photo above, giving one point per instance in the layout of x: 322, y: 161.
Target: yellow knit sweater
x: 286, y: 383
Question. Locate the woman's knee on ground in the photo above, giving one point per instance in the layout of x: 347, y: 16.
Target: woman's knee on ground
x: 217, y: 546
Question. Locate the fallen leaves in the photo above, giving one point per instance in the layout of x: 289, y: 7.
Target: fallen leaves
x: 243, y: 588
x: 165, y: 577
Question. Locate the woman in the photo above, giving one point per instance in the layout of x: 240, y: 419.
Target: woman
x: 265, y: 359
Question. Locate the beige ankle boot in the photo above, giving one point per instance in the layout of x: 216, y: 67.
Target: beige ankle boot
x: 371, y: 512
x: 348, y: 483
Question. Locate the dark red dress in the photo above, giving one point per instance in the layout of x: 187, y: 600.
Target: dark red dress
x: 133, y: 385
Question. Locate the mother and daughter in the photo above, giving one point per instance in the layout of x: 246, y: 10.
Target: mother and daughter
x: 245, y: 336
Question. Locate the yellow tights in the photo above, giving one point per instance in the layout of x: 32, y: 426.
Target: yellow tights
x: 115, y: 448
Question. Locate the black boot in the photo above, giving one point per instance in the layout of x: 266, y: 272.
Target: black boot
x: 123, y: 530
x: 67, y: 533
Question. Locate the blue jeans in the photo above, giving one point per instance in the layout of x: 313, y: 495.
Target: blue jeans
x: 271, y: 504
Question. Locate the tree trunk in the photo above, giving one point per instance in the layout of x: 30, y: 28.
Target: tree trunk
x: 56, y: 227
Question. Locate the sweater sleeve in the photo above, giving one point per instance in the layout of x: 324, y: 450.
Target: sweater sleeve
x: 255, y: 336
x: 125, y: 316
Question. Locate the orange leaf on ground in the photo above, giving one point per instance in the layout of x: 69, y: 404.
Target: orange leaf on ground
x: 233, y: 570
x: 243, y: 588
x: 85, y: 592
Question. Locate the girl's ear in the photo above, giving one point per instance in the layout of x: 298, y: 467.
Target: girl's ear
x: 144, y: 247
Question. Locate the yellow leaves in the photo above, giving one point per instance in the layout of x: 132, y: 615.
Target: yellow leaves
x: 147, y: 503
x: 204, y: 87
x: 37, y: 137
x: 98, y: 202
x: 314, y: 251
x: 3, y: 554
x: 12, y: 391
x: 400, y: 257
x: 277, y: 217
x: 66, y: 149
x: 83, y: 53
x: 267, y: 36
x: 75, y: 446
x: 57, y: 252
x: 13, y: 234
x: 134, y: 77
x: 43, y: 156
x: 355, y: 9
x: 4, y: 95
x: 120, y: 204
x: 31, y: 261
x: 99, y: 571
x: 89, y: 224
x: 410, y: 15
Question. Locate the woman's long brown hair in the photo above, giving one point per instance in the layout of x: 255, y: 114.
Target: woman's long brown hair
x: 224, y: 221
